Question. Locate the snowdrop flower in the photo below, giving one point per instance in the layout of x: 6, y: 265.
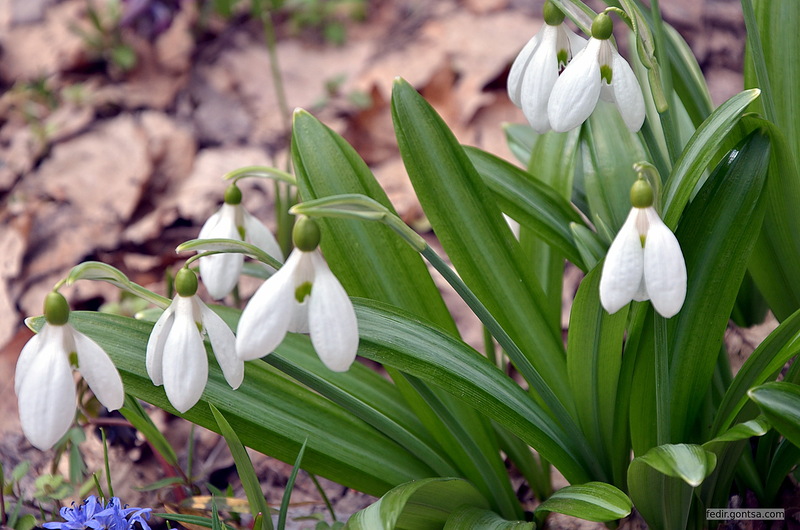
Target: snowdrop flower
x: 43, y: 382
x: 304, y: 297
x: 644, y: 261
x: 537, y: 66
x: 176, y: 355
x: 598, y: 71
x: 220, y: 272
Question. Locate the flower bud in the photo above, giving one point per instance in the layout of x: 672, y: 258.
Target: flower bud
x: 602, y: 27
x: 56, y: 309
x: 186, y: 282
x: 233, y: 195
x: 306, y: 234
x: 553, y: 16
x: 641, y: 194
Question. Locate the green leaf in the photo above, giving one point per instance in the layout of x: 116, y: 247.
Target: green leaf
x: 699, y: 152
x: 741, y: 431
x: 198, y: 520
x: 690, y: 463
x: 367, y: 258
x: 609, y: 152
x: 764, y: 363
x: 593, y: 501
x: 594, y: 360
x: 244, y: 467
x: 521, y: 139
x: 478, y: 518
x: 287, y: 492
x: 472, y: 230
x: 717, y: 232
x: 395, y: 339
x: 269, y: 412
x: 531, y: 203
x: 228, y: 246
x: 419, y: 505
x: 780, y: 403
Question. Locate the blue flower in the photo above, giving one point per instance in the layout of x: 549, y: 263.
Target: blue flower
x: 92, y: 514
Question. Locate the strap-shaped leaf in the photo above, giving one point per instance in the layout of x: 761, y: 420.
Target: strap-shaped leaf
x: 780, y: 403
x: 472, y: 230
x: 530, y: 202
x: 419, y: 505
x: 593, y: 501
x: 472, y: 517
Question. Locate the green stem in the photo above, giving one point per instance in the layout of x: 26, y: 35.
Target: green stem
x: 663, y: 394
x: 668, y: 121
x: 277, y: 78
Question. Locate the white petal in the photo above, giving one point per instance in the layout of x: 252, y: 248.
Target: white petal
x: 519, y: 67
x: 185, y: 366
x: 266, y: 317
x: 538, y: 81
x: 27, y: 356
x: 99, y: 372
x: 622, y: 270
x: 576, y: 91
x: 155, y: 345
x: 223, y: 342
x: 664, y: 267
x: 304, y: 273
x: 220, y: 272
x: 576, y: 42
x: 332, y: 320
x: 627, y: 93
x: 259, y: 235
x: 47, y: 394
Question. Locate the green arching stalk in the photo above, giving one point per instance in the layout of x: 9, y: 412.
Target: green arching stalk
x: 668, y: 117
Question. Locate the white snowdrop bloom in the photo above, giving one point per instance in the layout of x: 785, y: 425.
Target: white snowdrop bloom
x: 536, y: 68
x: 176, y: 355
x: 644, y: 261
x: 598, y: 71
x: 220, y: 272
x: 43, y: 381
x: 304, y: 297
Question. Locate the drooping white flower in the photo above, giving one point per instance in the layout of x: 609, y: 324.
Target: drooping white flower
x: 220, y: 272
x: 598, y: 71
x: 43, y: 380
x: 176, y: 354
x: 535, y: 70
x: 304, y: 297
x: 644, y: 262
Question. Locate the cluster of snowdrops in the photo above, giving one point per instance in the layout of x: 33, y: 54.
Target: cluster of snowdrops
x: 557, y: 80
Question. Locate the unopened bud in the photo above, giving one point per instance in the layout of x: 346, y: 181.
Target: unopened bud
x: 186, y: 282
x: 56, y: 309
x: 306, y: 234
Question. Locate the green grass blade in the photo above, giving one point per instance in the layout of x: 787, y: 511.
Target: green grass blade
x: 287, y: 492
x: 247, y: 474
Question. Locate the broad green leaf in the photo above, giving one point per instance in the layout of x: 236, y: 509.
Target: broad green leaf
x: 472, y: 230
x: 394, y: 339
x: 699, y: 152
x: 590, y: 246
x: 594, y: 360
x: 245, y: 469
x: 269, y: 412
x: 687, y: 78
x: 593, y: 501
x: 741, y: 431
x: 717, y: 232
x: 478, y: 518
x: 780, y: 403
x: 690, y: 463
x: 609, y: 152
x: 530, y: 202
x: 774, y: 264
x: 664, y: 499
x: 419, y: 505
x: 368, y: 258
